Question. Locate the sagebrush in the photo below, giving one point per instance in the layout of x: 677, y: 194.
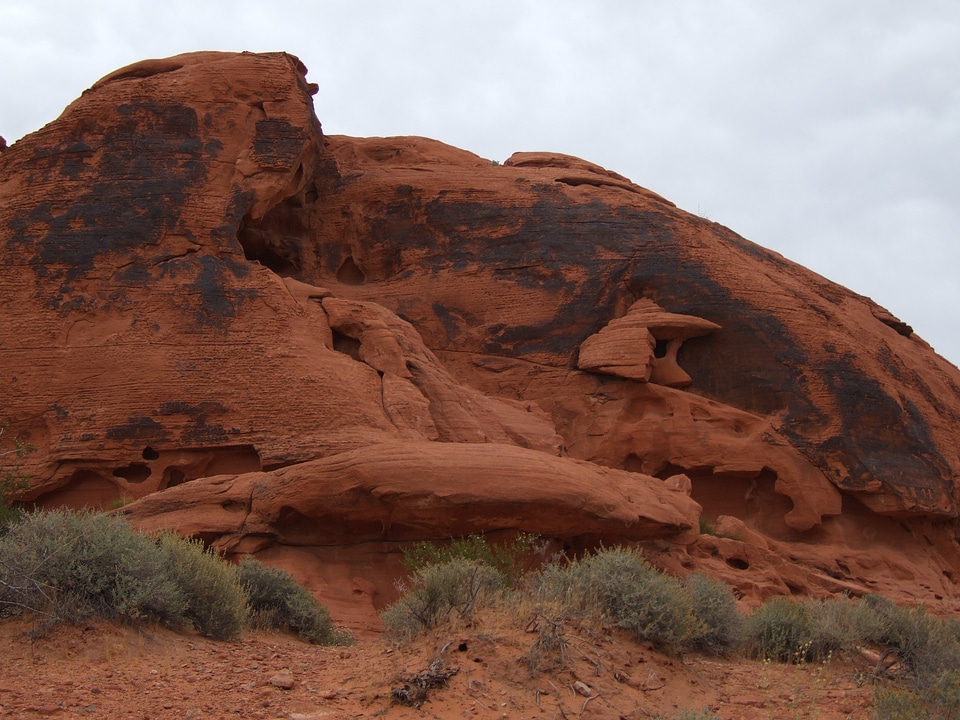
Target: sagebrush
x: 278, y: 601
x: 12, y: 479
x: 67, y: 566
x: 505, y: 557
x: 457, y: 587
x: 64, y: 566
x: 215, y: 602
x: 620, y: 586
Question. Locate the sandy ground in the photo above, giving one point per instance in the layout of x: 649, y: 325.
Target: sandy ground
x: 104, y: 671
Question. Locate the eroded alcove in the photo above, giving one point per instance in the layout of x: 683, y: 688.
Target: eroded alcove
x: 278, y: 240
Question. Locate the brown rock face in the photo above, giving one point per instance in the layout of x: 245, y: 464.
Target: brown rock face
x: 317, y: 349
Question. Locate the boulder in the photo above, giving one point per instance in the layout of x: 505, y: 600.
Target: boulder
x: 318, y: 350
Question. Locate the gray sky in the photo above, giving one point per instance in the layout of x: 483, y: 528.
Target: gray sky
x: 827, y: 130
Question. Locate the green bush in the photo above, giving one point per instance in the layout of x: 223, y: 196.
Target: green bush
x: 927, y: 646
x: 781, y: 630
x: 939, y: 701
x: 505, y: 557
x: 278, y: 601
x: 620, y: 586
x: 943, y: 695
x: 714, y: 606
x: 837, y: 625
x: 65, y: 567
x: 788, y: 630
x: 897, y: 703
x: 216, y: 603
x: 459, y: 586
x: 69, y: 566
x: 12, y: 479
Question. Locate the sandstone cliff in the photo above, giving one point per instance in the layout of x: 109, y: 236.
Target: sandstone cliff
x: 317, y: 349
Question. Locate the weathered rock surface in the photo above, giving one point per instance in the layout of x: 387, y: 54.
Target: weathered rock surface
x: 316, y: 349
x: 643, y: 345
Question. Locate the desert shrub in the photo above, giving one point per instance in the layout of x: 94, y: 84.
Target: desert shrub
x: 926, y: 645
x: 781, y: 630
x: 943, y: 696
x: 893, y: 702
x: 549, y: 650
x: 459, y: 586
x: 216, y: 603
x: 837, y: 626
x: 834, y: 626
x: 278, y: 601
x: 504, y: 557
x: 939, y: 701
x: 12, y: 479
x: 714, y: 606
x: 67, y: 566
x: 620, y: 586
x: 788, y: 630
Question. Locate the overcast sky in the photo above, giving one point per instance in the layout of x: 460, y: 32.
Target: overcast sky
x: 827, y: 130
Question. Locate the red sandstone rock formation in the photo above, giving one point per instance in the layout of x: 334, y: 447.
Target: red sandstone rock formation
x: 317, y: 349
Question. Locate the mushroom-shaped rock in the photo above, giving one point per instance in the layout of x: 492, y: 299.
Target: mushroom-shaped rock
x: 623, y: 348
x: 629, y: 346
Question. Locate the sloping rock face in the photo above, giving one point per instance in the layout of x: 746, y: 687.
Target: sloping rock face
x: 317, y: 349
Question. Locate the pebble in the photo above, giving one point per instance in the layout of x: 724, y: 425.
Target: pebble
x: 283, y: 680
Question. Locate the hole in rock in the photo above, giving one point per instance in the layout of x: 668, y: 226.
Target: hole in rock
x: 660, y: 349
x: 349, y: 272
x: 668, y: 470
x: 173, y: 476
x: 134, y: 472
x: 347, y: 345
x: 276, y: 241
x: 150, y: 454
x: 738, y: 563
x: 462, y: 647
x: 207, y: 538
x: 282, y: 258
x: 633, y: 463
x: 747, y: 495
